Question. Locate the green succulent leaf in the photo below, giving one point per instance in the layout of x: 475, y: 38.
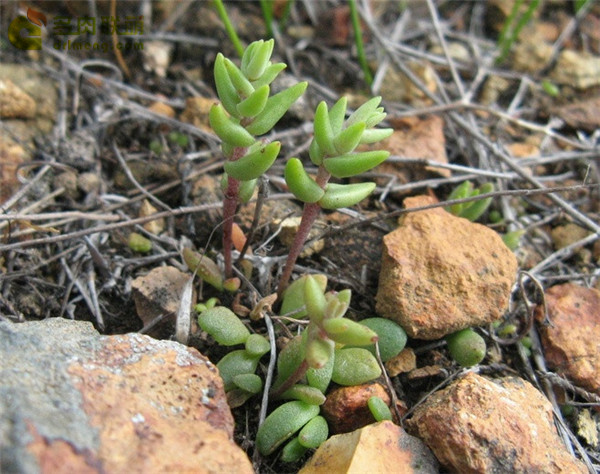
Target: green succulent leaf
x: 282, y: 423
x: 205, y: 268
x: 304, y: 393
x: 259, y: 59
x: 374, y: 135
x: 337, y: 114
x: 314, y: 433
x: 257, y: 345
x: 512, y: 239
x: 290, y: 358
x: 139, y: 243
x: 225, y: 89
x: 346, y: 331
x: 300, y: 183
x: 255, y: 164
x: 227, y: 129
x: 246, y: 190
x: 255, y: 103
x: 318, y: 351
x: 354, y: 164
x: 392, y: 338
x: 293, y: 450
x: 315, y: 153
x: 379, y: 409
x: 466, y: 347
x: 365, y: 111
x: 248, y: 53
x: 474, y: 210
x: 347, y: 140
x: 240, y: 82
x: 345, y: 195
x: 251, y: 383
x: 314, y: 299
x: 323, y: 130
x: 224, y: 326
x: 354, y: 366
x: 277, y: 105
x: 375, y: 118
x: 320, y: 378
x: 271, y: 72
x: 335, y: 308
x: 462, y: 191
x: 293, y: 297
x: 236, y: 363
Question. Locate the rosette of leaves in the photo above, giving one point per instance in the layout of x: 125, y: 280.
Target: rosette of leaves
x: 237, y: 368
x: 247, y: 110
x: 333, y: 151
x: 309, y: 362
x: 472, y: 210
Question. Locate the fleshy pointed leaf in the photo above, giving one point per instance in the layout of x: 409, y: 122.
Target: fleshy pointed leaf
x: 251, y: 383
x: 277, y: 105
x: 354, y: 164
x: 259, y: 60
x: 300, y: 183
x: 347, y: 140
x: 323, y: 130
x: 255, y: 164
x: 337, y: 114
x: 315, y: 153
x: 314, y: 299
x: 318, y: 352
x: 345, y: 195
x: 227, y: 129
x: 304, y: 393
x: 374, y: 135
x: 271, y: 72
x: 346, y: 331
x: 363, y: 113
x: 225, y: 89
x: 239, y: 81
x: 255, y: 103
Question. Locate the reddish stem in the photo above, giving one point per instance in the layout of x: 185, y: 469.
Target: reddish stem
x: 229, y: 207
x: 291, y: 380
x: 309, y: 215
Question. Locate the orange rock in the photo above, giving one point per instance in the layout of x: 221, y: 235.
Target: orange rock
x: 76, y: 401
x: 346, y: 407
x: 378, y: 448
x: 442, y: 273
x: 478, y: 425
x: 572, y: 343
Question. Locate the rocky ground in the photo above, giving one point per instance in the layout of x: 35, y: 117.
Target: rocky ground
x: 98, y: 143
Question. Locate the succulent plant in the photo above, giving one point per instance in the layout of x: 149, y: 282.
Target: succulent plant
x: 466, y: 347
x: 470, y: 210
x: 246, y: 111
x: 333, y: 151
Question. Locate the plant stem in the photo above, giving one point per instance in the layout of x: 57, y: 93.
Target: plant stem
x: 291, y: 380
x: 309, y: 215
x: 229, y: 208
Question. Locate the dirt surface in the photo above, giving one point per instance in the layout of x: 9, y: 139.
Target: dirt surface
x: 90, y: 133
